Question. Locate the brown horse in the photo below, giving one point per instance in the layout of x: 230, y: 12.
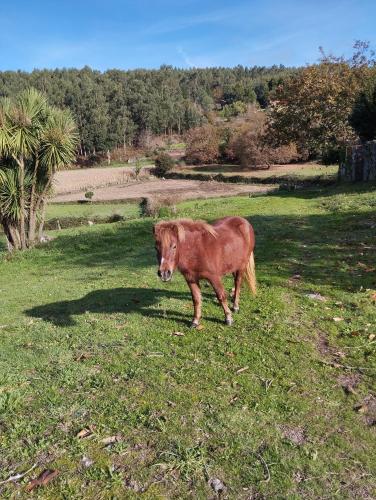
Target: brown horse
x: 203, y: 251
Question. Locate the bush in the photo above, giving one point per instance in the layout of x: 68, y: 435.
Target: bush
x: 203, y: 145
x: 163, y: 164
x: 159, y: 206
x: 235, y: 109
x: 247, y: 143
x: 89, y: 195
x: 246, y: 147
x: 115, y: 218
x: 283, y: 155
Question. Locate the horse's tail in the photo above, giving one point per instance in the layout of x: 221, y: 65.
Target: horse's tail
x: 250, y: 273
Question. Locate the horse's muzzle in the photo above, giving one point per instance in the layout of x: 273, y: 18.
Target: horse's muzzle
x: 165, y: 275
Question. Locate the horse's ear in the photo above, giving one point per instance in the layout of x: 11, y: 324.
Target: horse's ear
x: 180, y: 232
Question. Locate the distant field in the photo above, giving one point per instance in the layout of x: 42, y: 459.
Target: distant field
x: 300, y: 170
x: 183, y: 189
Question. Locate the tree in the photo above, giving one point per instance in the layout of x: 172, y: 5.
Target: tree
x: 234, y: 109
x: 35, y: 141
x: 116, y: 107
x: 312, y: 107
x: 363, y: 116
x: 163, y: 164
x: 202, y: 145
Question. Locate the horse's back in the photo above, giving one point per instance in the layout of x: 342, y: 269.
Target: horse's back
x: 235, y: 242
x: 234, y: 227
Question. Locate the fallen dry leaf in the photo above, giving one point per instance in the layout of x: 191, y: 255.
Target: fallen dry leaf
x: 337, y: 319
x: 110, y: 440
x: 372, y: 336
x: 45, y: 477
x: 316, y: 296
x: 241, y: 370
x: 82, y: 356
x: 84, y: 433
x: 178, y: 334
x: 119, y: 327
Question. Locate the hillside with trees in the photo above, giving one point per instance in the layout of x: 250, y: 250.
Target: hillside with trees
x: 120, y: 108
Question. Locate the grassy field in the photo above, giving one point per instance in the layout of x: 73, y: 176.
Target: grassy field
x: 97, y: 212
x: 281, y: 405
x: 300, y: 171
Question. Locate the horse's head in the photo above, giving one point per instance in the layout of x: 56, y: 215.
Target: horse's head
x: 168, y: 236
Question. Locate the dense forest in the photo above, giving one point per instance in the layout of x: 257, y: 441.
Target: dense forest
x: 118, y: 108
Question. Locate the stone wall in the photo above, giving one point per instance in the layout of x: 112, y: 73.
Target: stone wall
x: 360, y: 163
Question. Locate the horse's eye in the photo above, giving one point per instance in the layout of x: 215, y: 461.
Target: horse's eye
x: 174, y: 247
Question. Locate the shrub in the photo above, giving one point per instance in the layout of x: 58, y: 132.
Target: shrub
x: 203, y: 145
x: 285, y: 154
x: 138, y: 168
x: 235, y: 109
x: 163, y: 164
x: 115, y: 218
x: 246, y: 147
x: 247, y: 143
x: 159, y: 206
x: 89, y: 195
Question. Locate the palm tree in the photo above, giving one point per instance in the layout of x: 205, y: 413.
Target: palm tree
x: 35, y: 141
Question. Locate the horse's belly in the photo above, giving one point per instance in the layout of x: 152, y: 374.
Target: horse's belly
x: 233, y: 257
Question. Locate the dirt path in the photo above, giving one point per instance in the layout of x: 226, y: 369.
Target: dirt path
x: 184, y: 189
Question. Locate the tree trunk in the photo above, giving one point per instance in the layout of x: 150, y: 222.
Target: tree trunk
x: 21, y: 177
x: 33, y: 201
x: 12, y: 235
x: 42, y: 218
x: 41, y: 206
x: 32, y: 226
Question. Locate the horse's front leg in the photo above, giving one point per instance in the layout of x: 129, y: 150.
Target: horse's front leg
x: 221, y: 296
x: 196, y: 297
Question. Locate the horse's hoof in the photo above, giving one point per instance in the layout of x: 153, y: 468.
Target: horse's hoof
x: 229, y: 321
x: 194, y: 324
x: 235, y: 309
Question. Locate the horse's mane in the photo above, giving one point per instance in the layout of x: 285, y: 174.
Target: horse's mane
x: 180, y: 226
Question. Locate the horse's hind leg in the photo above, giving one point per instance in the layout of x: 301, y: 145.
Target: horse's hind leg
x: 221, y: 296
x: 238, y: 277
x: 196, y: 297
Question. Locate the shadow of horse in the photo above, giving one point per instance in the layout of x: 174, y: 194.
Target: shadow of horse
x: 114, y: 300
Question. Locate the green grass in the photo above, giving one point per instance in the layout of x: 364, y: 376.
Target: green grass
x: 176, y: 145
x: 143, y: 162
x: 312, y: 170
x: 91, y: 210
x: 86, y: 341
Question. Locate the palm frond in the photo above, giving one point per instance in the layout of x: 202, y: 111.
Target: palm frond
x: 10, y: 194
x: 59, y: 140
x: 26, y: 119
x: 5, y: 105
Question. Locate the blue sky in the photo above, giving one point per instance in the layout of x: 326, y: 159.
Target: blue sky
x: 132, y: 34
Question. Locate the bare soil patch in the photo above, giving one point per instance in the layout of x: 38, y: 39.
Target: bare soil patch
x: 73, y: 181
x: 295, y: 435
x: 184, y: 189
